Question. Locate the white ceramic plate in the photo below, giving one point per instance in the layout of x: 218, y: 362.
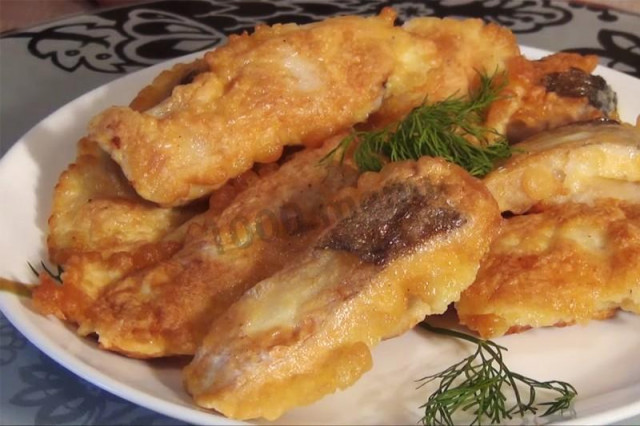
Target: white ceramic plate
x: 600, y: 360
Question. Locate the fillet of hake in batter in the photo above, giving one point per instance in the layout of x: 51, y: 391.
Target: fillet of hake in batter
x: 290, y: 85
x: 568, y: 264
x: 282, y: 85
x: 575, y: 163
x: 166, y: 309
x: 411, y: 244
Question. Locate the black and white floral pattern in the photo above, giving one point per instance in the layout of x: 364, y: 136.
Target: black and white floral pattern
x: 123, y: 39
x: 618, y: 50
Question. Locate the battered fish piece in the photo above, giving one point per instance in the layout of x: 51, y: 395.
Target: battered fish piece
x: 99, y: 231
x: 556, y: 90
x: 282, y: 85
x: 167, y: 308
x: 580, y: 162
x: 540, y: 94
x: 465, y: 49
x: 412, y: 243
x: 96, y: 210
x: 569, y: 264
x: 291, y: 85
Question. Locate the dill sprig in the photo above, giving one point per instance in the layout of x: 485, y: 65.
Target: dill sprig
x: 476, y: 384
x: 57, y: 276
x: 452, y: 129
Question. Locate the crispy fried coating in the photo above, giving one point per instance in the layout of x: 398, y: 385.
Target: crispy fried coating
x: 287, y: 85
x: 96, y: 210
x: 162, y: 86
x: 167, y: 308
x: 99, y: 231
x: 282, y: 85
x: 530, y: 102
x: 568, y: 264
x: 534, y: 101
x: 87, y: 274
x: 579, y: 162
x: 307, y: 330
x: 464, y: 49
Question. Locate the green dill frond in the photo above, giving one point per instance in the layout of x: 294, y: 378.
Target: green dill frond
x: 340, y: 150
x: 57, y: 276
x: 452, y: 129
x: 477, y: 385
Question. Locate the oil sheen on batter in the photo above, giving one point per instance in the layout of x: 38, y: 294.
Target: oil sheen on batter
x: 412, y: 243
x: 568, y: 264
x: 167, y: 308
x: 286, y: 85
x: 580, y: 162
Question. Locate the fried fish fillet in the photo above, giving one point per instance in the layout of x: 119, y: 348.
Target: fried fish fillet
x: 465, y: 49
x: 568, y: 264
x: 412, y: 242
x: 539, y: 94
x: 283, y: 85
x: 543, y: 94
x: 167, y: 308
x: 96, y: 210
x: 100, y: 230
x: 581, y: 162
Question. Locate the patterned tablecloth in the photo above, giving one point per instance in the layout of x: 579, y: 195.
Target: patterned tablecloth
x: 45, y: 67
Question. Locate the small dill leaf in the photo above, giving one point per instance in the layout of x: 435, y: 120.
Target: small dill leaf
x: 33, y: 269
x: 340, y: 150
x: 56, y: 276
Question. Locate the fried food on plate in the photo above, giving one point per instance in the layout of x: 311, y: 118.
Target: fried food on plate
x: 285, y: 85
x: 162, y: 86
x: 282, y: 85
x: 565, y: 265
x: 540, y: 94
x: 167, y: 308
x: 465, y: 48
x: 412, y: 242
x: 100, y: 230
x: 556, y: 90
x: 95, y: 209
x: 581, y: 162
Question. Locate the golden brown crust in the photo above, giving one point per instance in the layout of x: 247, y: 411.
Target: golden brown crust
x: 463, y: 48
x: 307, y: 330
x: 162, y: 86
x: 291, y: 85
x: 568, y: 264
x: 528, y: 107
x: 282, y: 85
x: 87, y: 274
x: 96, y: 210
x: 574, y: 163
x: 167, y: 308
x: 99, y: 231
